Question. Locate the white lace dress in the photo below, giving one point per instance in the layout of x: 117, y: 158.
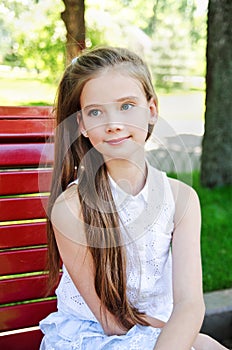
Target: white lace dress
x: 147, y: 226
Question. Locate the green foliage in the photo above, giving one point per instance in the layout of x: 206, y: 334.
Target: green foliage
x: 169, y: 34
x: 6, y: 30
x: 37, y: 38
x: 176, y: 51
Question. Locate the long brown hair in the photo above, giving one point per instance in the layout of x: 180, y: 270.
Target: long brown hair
x: 73, y: 155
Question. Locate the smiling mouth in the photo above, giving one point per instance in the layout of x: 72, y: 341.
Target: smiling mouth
x: 117, y: 141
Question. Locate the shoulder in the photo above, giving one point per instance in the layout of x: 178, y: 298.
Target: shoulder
x: 186, y: 199
x: 67, y: 202
x: 69, y: 196
x: 66, y: 215
x: 180, y: 189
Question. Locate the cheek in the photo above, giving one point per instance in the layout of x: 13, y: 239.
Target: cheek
x: 140, y: 125
x: 95, y: 135
x: 141, y: 136
x: 92, y: 125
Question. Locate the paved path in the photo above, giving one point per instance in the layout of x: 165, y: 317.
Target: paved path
x: 175, y: 147
x: 178, y: 154
x: 218, y: 320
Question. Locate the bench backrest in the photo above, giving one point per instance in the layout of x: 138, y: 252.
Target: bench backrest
x: 25, y: 172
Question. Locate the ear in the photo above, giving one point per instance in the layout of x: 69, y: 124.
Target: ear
x: 152, y: 104
x: 81, y: 125
x: 79, y: 117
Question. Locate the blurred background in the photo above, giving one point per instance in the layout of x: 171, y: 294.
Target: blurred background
x: 187, y: 45
x: 170, y: 35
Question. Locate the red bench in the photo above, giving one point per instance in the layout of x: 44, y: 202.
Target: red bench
x: 26, y: 159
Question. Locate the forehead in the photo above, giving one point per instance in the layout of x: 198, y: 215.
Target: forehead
x: 111, y: 86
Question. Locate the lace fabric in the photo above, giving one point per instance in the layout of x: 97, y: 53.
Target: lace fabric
x: 148, y: 238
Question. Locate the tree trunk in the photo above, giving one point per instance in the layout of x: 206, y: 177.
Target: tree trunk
x: 216, y: 163
x: 74, y: 20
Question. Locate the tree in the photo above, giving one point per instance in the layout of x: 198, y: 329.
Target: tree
x: 216, y: 163
x: 73, y: 17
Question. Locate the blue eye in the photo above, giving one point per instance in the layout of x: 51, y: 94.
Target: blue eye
x: 126, y: 106
x: 94, y: 113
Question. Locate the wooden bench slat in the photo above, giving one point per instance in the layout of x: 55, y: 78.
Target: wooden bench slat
x: 26, y: 144
x: 25, y: 315
x: 23, y: 208
x: 20, y: 112
x: 23, y: 288
x: 24, y: 129
x: 22, y: 261
x: 22, y: 235
x: 25, y: 340
x: 33, y: 154
x: 25, y: 181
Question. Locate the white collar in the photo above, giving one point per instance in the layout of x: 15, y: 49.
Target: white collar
x: 120, y: 195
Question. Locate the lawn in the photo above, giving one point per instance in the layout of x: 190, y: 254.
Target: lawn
x: 25, y: 91
x: 216, y: 235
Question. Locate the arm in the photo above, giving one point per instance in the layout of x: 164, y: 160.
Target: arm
x: 70, y: 237
x: 184, y: 324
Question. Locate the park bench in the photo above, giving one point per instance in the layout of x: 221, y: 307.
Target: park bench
x: 26, y: 159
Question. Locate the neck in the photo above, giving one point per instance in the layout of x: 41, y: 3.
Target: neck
x: 129, y: 176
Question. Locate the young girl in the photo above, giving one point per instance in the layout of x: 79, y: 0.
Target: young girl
x: 128, y: 236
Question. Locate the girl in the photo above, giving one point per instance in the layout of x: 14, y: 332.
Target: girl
x: 113, y: 218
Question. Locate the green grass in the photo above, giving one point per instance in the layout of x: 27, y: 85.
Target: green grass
x: 216, y: 235
x: 25, y: 92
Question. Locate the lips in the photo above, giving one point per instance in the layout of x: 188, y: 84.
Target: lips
x: 117, y: 141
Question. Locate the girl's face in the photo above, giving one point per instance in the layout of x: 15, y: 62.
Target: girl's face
x: 115, y: 114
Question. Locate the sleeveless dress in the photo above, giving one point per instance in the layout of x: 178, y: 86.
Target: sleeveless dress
x: 147, y: 227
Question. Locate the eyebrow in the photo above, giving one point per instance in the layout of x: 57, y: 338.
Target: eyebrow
x: 135, y: 98
x: 121, y: 99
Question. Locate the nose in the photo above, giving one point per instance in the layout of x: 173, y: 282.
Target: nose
x: 114, y: 122
x: 114, y: 127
